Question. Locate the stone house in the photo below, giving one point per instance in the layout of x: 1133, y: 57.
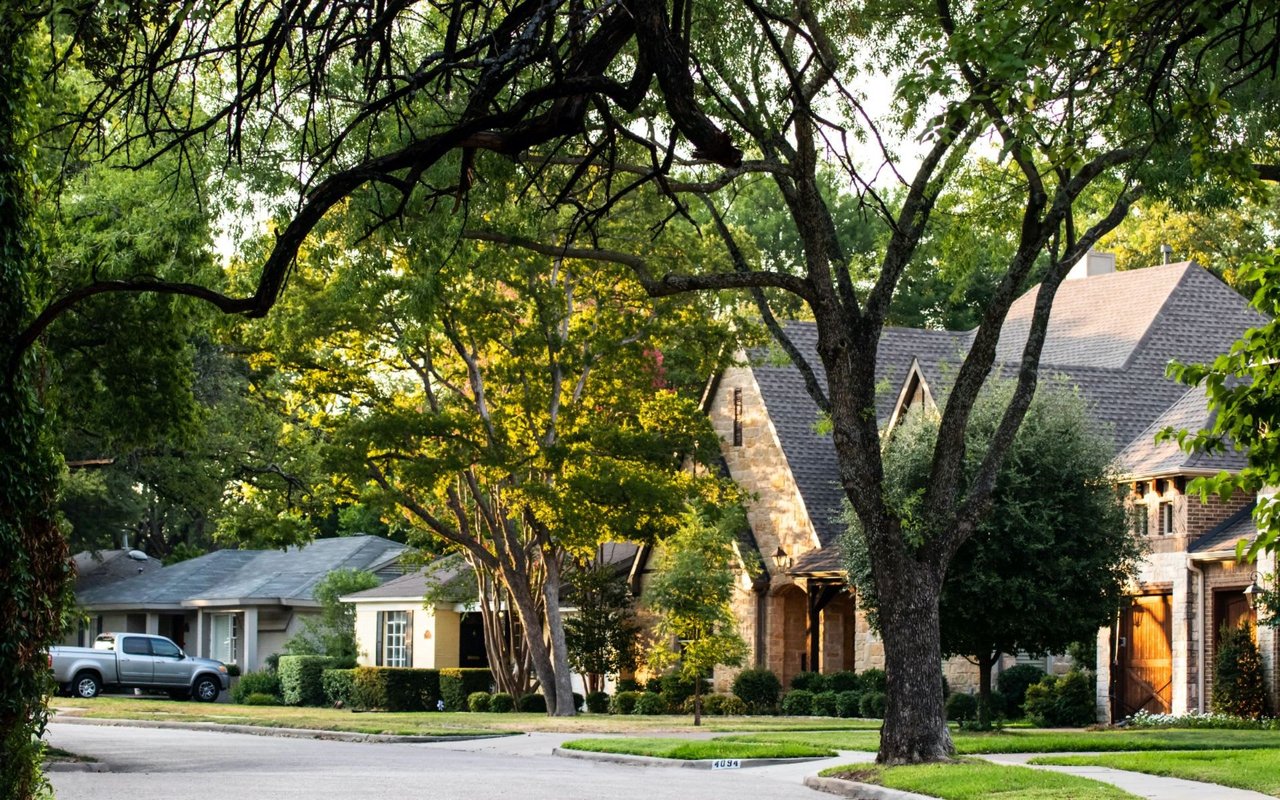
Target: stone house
x: 1111, y: 334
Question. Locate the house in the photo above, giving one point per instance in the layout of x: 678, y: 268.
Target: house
x: 238, y: 606
x: 1111, y: 334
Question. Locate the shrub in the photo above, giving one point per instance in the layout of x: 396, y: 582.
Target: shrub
x: 300, y: 683
x: 1013, y: 683
x: 1238, y: 687
x: 597, y: 702
x: 810, y: 682
x: 719, y: 705
x: 676, y: 689
x: 233, y: 670
x: 272, y: 662
x: 946, y: 688
x: 653, y: 685
x: 623, y: 702
x: 535, y: 703
x: 962, y: 707
x: 457, y: 686
x: 502, y: 703
x: 848, y: 704
x: 578, y: 700
x: 628, y: 685
x: 1062, y: 702
x: 798, y: 703
x: 395, y: 688
x: 1145, y: 719
x: 874, y: 680
x: 759, y: 689
x: 478, y: 702
x: 261, y: 682
x: 260, y: 699
x: 844, y: 681
x: 824, y: 704
x: 650, y: 704
x: 338, y: 684
x: 871, y: 705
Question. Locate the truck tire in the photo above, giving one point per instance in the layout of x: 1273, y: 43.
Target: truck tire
x: 206, y: 689
x: 86, y: 685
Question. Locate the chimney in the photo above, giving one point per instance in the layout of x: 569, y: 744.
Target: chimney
x: 1166, y: 254
x: 1095, y: 262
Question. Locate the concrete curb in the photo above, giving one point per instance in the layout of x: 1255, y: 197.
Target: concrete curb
x: 289, y: 733
x: 75, y: 766
x: 703, y: 763
x: 860, y: 791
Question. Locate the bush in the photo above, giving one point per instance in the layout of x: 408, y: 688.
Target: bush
x: 676, y: 689
x: 260, y: 699
x: 962, y: 707
x: 874, y: 680
x: 597, y: 702
x: 578, y: 700
x: 535, y: 703
x: 457, y: 686
x: 848, y: 704
x: 650, y: 704
x: 810, y: 682
x: 261, y: 682
x: 871, y: 705
x: 759, y: 689
x: 502, y: 703
x: 653, y: 685
x: 1238, y: 688
x: 624, y: 702
x: 824, y: 704
x: 720, y: 705
x: 1013, y: 683
x: 395, y: 688
x: 628, y: 685
x: 1062, y: 702
x: 844, y: 681
x: 478, y: 702
x: 798, y: 703
x: 338, y: 685
x: 300, y: 682
x: 1145, y: 719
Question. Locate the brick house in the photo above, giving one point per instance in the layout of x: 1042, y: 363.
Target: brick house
x: 1112, y: 335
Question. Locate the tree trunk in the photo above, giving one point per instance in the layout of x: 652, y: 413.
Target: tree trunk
x: 531, y: 623
x: 985, y: 662
x: 564, y: 706
x: 915, y: 721
x: 697, y: 701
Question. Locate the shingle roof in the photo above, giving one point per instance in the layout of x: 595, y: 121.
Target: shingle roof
x: 100, y: 567
x: 1143, y: 457
x: 1110, y: 335
x: 1231, y: 530
x: 446, y: 580
x: 249, y: 575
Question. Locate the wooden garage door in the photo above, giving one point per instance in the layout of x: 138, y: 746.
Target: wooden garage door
x: 1146, y: 655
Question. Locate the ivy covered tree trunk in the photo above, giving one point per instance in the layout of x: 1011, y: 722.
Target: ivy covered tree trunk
x: 34, y: 568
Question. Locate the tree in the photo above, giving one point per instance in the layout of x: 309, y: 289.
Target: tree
x: 1239, y: 685
x: 1049, y: 565
x: 690, y: 596
x: 333, y: 632
x: 602, y: 634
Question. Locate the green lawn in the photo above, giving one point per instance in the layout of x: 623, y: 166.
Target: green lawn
x: 1050, y: 741
x: 1258, y: 770
x: 693, y: 749
x: 979, y: 781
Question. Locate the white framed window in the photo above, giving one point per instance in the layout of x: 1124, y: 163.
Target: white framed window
x: 225, y: 637
x: 395, y: 635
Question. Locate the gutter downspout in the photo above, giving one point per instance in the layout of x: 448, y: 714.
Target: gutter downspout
x: 1191, y: 566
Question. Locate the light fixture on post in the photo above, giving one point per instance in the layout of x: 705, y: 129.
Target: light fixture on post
x: 1253, y: 592
x: 782, y: 560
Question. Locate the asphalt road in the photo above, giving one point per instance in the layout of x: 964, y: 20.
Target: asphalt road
x: 148, y: 763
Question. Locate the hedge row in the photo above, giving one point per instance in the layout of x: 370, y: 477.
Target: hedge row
x: 301, y: 679
x: 456, y: 685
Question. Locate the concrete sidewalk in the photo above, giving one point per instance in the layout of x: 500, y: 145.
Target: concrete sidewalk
x: 1154, y: 787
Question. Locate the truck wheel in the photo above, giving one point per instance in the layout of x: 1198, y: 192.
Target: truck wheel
x: 86, y: 685
x: 206, y: 689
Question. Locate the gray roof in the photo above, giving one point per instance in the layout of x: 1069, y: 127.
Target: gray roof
x: 1223, y: 538
x: 248, y: 576
x: 1143, y: 457
x: 99, y: 567
x: 446, y: 580
x: 1110, y: 335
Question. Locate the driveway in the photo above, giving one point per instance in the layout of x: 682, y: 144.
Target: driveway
x: 165, y: 763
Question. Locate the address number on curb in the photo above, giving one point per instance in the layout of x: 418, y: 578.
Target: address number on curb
x: 726, y: 763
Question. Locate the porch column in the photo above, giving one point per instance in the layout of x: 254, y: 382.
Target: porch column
x: 250, y: 639
x: 153, y: 623
x: 200, y: 649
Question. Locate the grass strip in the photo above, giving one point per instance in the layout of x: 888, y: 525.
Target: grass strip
x: 1257, y: 770
x: 1050, y: 741
x: 697, y: 749
x: 968, y: 780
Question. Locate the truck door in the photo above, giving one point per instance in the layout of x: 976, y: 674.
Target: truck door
x: 171, y: 667
x: 133, y: 659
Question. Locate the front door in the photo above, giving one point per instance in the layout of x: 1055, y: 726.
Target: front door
x: 471, y: 650
x: 1145, y: 656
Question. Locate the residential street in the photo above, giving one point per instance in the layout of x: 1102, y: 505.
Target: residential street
x: 164, y: 763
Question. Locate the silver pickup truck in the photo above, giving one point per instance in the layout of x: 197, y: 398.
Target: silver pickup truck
x: 137, y: 661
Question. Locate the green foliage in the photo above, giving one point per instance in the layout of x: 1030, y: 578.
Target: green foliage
x: 720, y: 705
x: 650, y: 704
x: 457, y: 686
x: 1239, y: 687
x: 301, y: 682
x: 1013, y: 683
x: 848, y: 704
x: 261, y: 699
x: 502, y: 703
x: 339, y: 686
x: 597, y: 702
x: 809, y: 681
x: 478, y: 702
x: 843, y: 681
x: 394, y: 688
x: 602, y: 636
x: 1062, y: 702
x: 797, y: 703
x: 532, y: 704
x: 874, y: 680
x: 624, y: 702
x: 759, y: 688
x: 872, y: 704
x: 258, y: 682
x: 825, y: 703
x: 962, y: 707
x: 333, y: 632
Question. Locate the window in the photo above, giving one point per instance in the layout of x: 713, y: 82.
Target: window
x: 159, y: 647
x: 1141, y: 519
x: 136, y: 646
x: 1166, y: 519
x: 737, y: 418
x: 225, y: 638
x: 395, y: 645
